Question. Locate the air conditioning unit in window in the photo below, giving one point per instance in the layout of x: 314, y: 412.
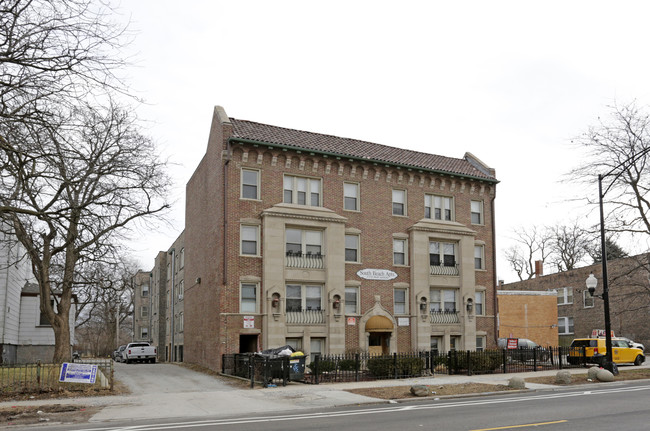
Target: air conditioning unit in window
x: 180, y: 297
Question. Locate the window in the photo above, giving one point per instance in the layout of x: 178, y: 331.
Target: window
x: 565, y: 296
x: 438, y: 207
x: 181, y: 288
x: 249, y: 240
x: 351, y: 300
x: 436, y: 345
x: 442, y: 254
x: 181, y: 322
x: 399, y: 252
x: 182, y: 257
x: 480, y: 343
x: 399, y: 300
x: 144, y: 290
x: 299, y: 241
x: 303, y: 297
x: 478, y: 257
x: 399, y: 202
x: 43, y: 320
x: 454, y: 342
x: 302, y: 191
x: 316, y: 347
x: 250, y: 184
x: 144, y: 311
x: 351, y: 196
x: 443, y: 300
x: 248, y: 298
x: 587, y: 299
x: 476, y: 210
x: 479, y: 301
x: 352, y: 248
x: 294, y: 342
x: 564, y: 325
x: 144, y: 333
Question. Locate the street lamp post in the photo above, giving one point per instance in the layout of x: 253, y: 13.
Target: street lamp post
x: 591, y: 287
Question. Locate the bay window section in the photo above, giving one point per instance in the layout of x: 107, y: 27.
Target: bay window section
x: 438, y: 207
x: 304, y: 248
x: 302, y: 190
x: 304, y: 297
x: 442, y: 258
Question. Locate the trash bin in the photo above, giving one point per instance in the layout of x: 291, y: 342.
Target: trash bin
x: 297, y: 367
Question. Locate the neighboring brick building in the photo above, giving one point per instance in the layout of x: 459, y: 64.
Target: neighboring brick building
x: 141, y: 286
x: 579, y: 313
x: 335, y: 245
x: 528, y: 314
x: 167, y: 302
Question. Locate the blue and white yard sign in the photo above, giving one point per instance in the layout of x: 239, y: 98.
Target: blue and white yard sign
x: 78, y: 373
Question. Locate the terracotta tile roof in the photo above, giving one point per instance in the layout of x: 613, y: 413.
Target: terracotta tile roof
x: 354, y: 148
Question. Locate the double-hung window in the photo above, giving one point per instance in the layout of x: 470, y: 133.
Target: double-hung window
x: 301, y: 241
x: 352, y: 248
x: 442, y: 253
x: 302, y: 191
x: 565, y: 296
x: 478, y: 257
x: 476, y: 212
x: 144, y: 332
x: 145, y: 290
x: 479, y: 302
x: 439, y: 207
x: 399, y: 202
x: 144, y: 311
x: 443, y: 300
x: 248, y: 295
x: 249, y: 240
x: 399, y: 252
x: 351, y: 300
x: 304, y: 297
x: 587, y: 299
x: 351, y: 196
x: 564, y: 325
x: 399, y: 301
x: 250, y: 179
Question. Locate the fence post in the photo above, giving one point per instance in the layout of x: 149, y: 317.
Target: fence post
x: 357, y: 366
x: 38, y: 374
x: 559, y: 356
x: 505, y: 365
x: 395, y: 366
x: 112, y: 375
x: 315, y: 369
x: 449, y: 363
x: 251, y: 370
x: 534, y: 359
x: 469, y: 363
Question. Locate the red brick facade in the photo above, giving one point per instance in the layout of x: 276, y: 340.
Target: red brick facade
x: 216, y: 319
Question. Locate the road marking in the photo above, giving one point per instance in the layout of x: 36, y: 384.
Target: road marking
x: 521, y: 426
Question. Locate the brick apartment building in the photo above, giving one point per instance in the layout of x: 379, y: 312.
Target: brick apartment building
x: 167, y: 302
x: 579, y: 313
x: 335, y: 245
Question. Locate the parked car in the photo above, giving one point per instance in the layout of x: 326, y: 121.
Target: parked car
x: 117, y: 354
x: 595, y: 351
x: 526, y: 350
x: 633, y: 343
x: 139, y: 352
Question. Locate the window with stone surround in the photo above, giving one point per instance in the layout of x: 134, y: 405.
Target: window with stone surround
x: 439, y: 207
x: 250, y: 183
x: 302, y: 191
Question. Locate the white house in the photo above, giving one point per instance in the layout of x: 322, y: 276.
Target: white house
x: 25, y: 335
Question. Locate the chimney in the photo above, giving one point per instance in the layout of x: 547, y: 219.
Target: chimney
x: 539, y: 268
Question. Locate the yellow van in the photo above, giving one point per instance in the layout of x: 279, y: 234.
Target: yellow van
x: 595, y: 351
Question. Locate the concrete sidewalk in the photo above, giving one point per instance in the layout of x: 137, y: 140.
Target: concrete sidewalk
x: 233, y: 401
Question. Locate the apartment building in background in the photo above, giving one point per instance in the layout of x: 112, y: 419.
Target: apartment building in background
x: 167, y: 303
x: 335, y: 245
x: 579, y: 313
x: 141, y: 287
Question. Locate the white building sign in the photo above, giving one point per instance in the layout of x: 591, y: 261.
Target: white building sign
x: 376, y: 274
x: 249, y: 321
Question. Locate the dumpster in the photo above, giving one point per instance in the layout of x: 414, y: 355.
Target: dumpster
x: 297, y: 366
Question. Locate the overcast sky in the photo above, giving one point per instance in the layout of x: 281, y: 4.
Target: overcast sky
x: 511, y: 82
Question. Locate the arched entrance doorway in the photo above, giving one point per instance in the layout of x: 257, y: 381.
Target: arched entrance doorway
x: 379, y: 329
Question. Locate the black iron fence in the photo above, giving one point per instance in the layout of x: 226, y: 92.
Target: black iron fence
x: 363, y: 366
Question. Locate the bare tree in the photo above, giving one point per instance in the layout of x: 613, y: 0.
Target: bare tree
x: 617, y: 147
x: 70, y: 189
x: 532, y: 245
x: 569, y: 246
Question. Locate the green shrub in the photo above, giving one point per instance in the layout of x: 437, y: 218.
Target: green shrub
x: 347, y: 364
x: 479, y: 361
x: 381, y: 367
x: 326, y: 366
x: 410, y: 366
